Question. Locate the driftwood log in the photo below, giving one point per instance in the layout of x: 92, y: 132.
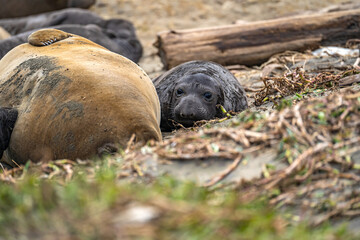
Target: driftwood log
x: 254, y: 42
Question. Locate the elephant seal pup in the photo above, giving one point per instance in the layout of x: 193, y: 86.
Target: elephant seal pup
x: 192, y: 91
x: 74, y: 97
x: 124, y: 45
x: 20, y: 8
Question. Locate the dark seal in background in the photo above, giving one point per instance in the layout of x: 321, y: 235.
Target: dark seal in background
x: 117, y: 35
x: 20, y: 8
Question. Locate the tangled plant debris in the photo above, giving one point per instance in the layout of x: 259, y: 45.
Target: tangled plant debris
x: 298, y: 81
x: 319, y: 140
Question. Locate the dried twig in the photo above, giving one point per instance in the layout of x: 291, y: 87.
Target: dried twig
x: 224, y: 173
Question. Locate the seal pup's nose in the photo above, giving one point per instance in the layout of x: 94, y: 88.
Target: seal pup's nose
x: 188, y: 115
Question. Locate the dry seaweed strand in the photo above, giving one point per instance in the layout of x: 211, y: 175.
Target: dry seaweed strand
x: 297, y: 81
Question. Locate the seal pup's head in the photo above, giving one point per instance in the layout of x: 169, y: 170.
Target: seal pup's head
x: 195, y: 98
x: 193, y: 90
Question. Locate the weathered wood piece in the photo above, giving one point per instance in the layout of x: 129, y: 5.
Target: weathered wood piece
x: 254, y: 42
x: 349, y: 80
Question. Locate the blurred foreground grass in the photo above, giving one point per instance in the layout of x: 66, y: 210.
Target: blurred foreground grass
x: 99, y: 206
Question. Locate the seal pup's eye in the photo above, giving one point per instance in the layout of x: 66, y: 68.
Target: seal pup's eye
x: 179, y: 92
x: 207, y: 95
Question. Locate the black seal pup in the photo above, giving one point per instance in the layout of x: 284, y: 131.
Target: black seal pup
x: 194, y: 90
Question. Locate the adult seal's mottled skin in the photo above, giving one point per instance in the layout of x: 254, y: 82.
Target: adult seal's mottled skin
x: 73, y: 97
x: 192, y: 91
x: 20, y: 8
x: 117, y: 35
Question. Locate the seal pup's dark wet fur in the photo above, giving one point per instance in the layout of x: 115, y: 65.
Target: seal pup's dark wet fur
x: 192, y: 91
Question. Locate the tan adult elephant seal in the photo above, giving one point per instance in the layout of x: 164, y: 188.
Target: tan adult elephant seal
x: 72, y: 97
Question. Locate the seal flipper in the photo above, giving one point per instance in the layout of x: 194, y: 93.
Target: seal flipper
x: 45, y: 37
x: 107, y: 149
x: 8, y: 118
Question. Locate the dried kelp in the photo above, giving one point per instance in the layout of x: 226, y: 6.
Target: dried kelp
x: 298, y: 81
